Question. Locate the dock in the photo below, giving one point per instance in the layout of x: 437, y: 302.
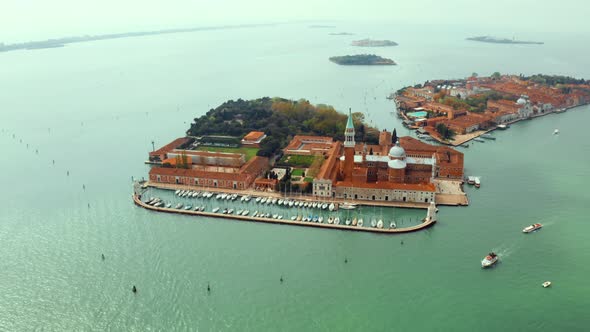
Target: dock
x: 425, y: 224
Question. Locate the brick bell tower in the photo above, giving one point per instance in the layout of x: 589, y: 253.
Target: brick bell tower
x: 349, y: 148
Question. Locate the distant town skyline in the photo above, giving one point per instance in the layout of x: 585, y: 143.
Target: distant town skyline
x: 28, y: 19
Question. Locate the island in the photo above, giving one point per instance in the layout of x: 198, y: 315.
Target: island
x: 373, y: 43
x: 495, y: 40
x: 341, y: 34
x: 320, y: 26
x: 61, y: 42
x: 455, y: 111
x: 362, y: 60
x: 295, y: 163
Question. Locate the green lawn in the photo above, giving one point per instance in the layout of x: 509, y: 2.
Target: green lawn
x: 298, y: 161
x: 308, y: 179
x: 297, y: 172
x: 249, y: 152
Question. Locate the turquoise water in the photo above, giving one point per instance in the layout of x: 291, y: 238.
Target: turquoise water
x: 94, y: 109
x: 420, y: 114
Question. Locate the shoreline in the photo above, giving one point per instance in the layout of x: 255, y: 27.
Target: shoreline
x: 425, y: 224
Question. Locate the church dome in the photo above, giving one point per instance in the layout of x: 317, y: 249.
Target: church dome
x: 396, y: 164
x: 397, y: 151
x: 521, y: 101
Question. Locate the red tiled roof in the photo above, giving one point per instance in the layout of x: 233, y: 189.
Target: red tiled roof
x: 253, y: 136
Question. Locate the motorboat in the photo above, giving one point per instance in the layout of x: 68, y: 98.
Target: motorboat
x: 188, y: 207
x: 197, y: 208
x: 532, y: 228
x: 224, y: 211
x: 471, y: 180
x: 546, y: 284
x: 178, y: 206
x: 202, y: 208
x: 321, y: 219
x: 280, y: 202
x: 503, y: 126
x: 331, y: 207
x: 354, y: 222
x: 169, y: 205
x: 556, y: 131
x: 489, y: 260
x: 274, y: 201
x: 275, y: 216
x: 293, y: 218
x: 195, y: 194
x: 337, y: 221
x: 392, y: 225
x: 330, y: 220
x: 324, y: 206
x: 477, y: 182
x: 380, y: 223
x: 230, y: 211
x: 263, y: 200
x: 299, y: 217
x: 360, y: 223
x: 268, y: 201
x: 488, y: 136
x: 255, y: 214
x: 177, y: 192
x: 477, y: 139
x: 373, y: 223
x: 239, y: 212
x: 314, y: 205
x: 215, y: 210
x: 257, y: 200
x: 159, y: 204
x: 246, y: 212
x: 348, y: 206
x: 280, y: 217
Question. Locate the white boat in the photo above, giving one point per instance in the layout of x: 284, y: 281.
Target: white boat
x: 257, y: 200
x: 314, y: 205
x: 158, y: 204
x: 360, y: 223
x: 321, y: 219
x: 471, y: 180
x: 218, y: 196
x: 246, y: 212
x: 197, y: 208
x: 224, y: 211
x: 330, y: 220
x: 169, y: 205
x: 373, y: 223
x: 503, y: 127
x: 215, y: 210
x: 347, y: 222
x: 188, y: 207
x: 280, y: 202
x: 178, y: 206
x: 293, y: 218
x: 324, y: 206
x: 274, y: 201
x: 489, y: 260
x: 177, y: 192
x: 263, y: 200
x: 230, y: 211
x: 392, y: 225
x: 275, y: 216
x: 546, y: 284
x: 556, y: 131
x: 532, y: 228
x: 239, y: 212
x: 331, y: 207
x: 337, y: 221
x: 354, y: 221
x: 280, y: 217
x: 380, y: 223
x: 255, y: 214
x: 348, y: 206
x: 477, y: 182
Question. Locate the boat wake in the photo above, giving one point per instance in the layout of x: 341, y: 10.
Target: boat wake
x: 505, y: 251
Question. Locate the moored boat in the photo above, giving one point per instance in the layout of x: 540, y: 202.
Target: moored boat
x: 477, y: 182
x: 532, y: 228
x: 360, y: 223
x: 380, y: 223
x: 489, y: 260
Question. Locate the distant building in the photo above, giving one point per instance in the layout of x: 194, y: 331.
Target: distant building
x: 308, y: 145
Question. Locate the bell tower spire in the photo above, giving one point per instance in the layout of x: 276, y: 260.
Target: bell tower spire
x: 349, y: 131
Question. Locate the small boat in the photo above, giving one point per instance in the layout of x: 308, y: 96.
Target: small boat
x: 291, y: 203
x: 246, y: 212
x: 195, y: 194
x: 337, y: 221
x: 331, y: 207
x: 177, y: 192
x: 348, y: 206
x: 330, y: 220
x: 169, y: 205
x: 255, y: 214
x: 257, y: 200
x: 314, y: 219
x: 197, y: 208
x: 230, y: 211
x: 360, y: 223
x: 380, y: 223
x: 314, y: 205
x: 477, y: 139
x: 503, y: 127
x: 392, y: 225
x: 274, y: 201
x: 556, y: 131
x: 373, y: 223
x: 299, y: 217
x: 280, y: 217
x: 159, y: 204
x: 178, y: 206
x: 532, y: 228
x: 477, y: 183
x: 471, y: 180
x: 546, y: 284
x: 275, y: 216
x: 280, y: 202
x: 354, y: 222
x: 247, y: 198
x: 489, y: 260
x: 218, y: 196
x: 263, y: 200
x: 321, y: 219
x: 215, y: 210
x: 224, y: 211
x: 293, y: 218
x: 239, y: 212
x: 488, y: 136
x: 202, y: 208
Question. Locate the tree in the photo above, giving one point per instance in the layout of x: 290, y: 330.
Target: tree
x: 496, y: 75
x: 393, y: 137
x: 444, y: 131
x: 474, y: 74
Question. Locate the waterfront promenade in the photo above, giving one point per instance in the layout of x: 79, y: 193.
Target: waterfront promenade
x: 425, y: 224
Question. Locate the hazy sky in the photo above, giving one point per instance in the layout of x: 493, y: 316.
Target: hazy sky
x: 23, y: 19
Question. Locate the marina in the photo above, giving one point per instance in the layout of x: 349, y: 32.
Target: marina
x: 285, y: 211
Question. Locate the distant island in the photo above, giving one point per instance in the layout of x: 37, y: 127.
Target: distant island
x: 61, y: 42
x: 489, y: 39
x: 362, y: 60
x: 373, y: 43
x: 341, y: 34
x: 319, y: 26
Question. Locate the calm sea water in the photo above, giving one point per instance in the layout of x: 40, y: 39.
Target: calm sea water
x: 92, y: 110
